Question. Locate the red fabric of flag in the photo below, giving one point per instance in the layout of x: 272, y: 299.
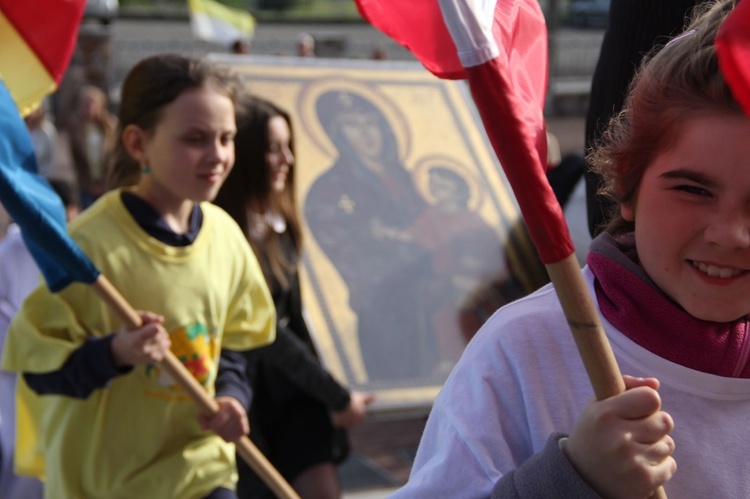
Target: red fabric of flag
x: 520, y: 146
x: 49, y: 28
x: 502, y: 50
x: 37, y: 39
x: 417, y: 25
x: 733, y: 49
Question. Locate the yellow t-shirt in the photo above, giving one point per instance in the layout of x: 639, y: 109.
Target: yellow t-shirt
x: 139, y: 437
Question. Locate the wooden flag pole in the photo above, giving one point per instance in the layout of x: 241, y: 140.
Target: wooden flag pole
x: 583, y: 319
x: 593, y: 345
x: 179, y: 373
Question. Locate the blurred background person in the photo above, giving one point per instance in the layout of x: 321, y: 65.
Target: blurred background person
x: 298, y: 411
x: 241, y: 46
x: 91, y: 136
x: 379, y: 53
x: 305, y: 45
x: 44, y: 137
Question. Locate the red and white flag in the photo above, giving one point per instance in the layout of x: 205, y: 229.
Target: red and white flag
x: 500, y: 47
x: 733, y: 49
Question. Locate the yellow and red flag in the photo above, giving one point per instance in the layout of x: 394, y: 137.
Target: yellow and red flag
x: 37, y: 38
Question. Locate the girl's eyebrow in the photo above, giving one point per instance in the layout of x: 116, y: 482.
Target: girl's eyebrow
x: 685, y: 174
x: 201, y: 128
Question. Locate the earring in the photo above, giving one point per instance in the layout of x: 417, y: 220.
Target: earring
x: 145, y: 168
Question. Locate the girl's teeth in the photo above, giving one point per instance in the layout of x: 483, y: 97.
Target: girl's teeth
x: 715, y: 271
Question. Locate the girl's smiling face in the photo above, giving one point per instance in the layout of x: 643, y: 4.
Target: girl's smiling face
x: 692, y: 218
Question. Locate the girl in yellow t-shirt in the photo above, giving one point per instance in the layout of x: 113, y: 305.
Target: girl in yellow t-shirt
x: 111, y: 424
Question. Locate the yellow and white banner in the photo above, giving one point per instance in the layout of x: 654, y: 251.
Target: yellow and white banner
x: 214, y: 22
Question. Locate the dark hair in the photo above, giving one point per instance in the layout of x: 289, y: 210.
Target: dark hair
x: 249, y: 185
x: 679, y: 82
x: 241, y: 46
x: 150, y: 86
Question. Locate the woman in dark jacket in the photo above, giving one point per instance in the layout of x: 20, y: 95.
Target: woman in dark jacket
x: 298, y: 411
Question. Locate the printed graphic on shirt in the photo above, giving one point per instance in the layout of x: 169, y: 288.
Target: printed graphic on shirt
x: 197, y: 348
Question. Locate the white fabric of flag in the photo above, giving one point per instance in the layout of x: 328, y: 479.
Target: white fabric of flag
x: 214, y: 22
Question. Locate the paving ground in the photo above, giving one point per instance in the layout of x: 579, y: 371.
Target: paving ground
x: 382, y: 454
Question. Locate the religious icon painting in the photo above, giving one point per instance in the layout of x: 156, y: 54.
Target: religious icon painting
x: 407, y: 217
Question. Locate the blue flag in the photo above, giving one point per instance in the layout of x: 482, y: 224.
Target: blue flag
x: 35, y: 206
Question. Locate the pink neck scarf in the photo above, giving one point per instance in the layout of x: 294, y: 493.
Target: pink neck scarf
x: 631, y: 301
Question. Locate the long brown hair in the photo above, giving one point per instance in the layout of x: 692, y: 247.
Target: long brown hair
x: 151, y: 85
x: 676, y: 83
x: 249, y: 186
